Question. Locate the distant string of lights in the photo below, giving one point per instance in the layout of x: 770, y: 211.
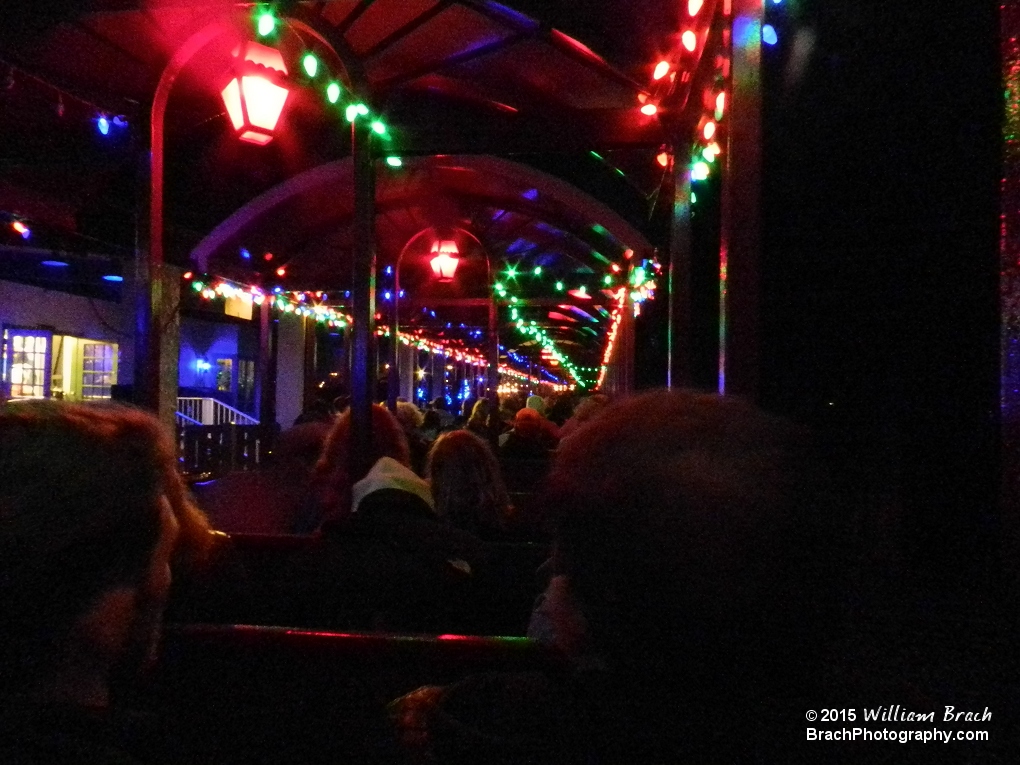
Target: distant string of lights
x: 106, y: 120
x: 614, y: 328
x: 309, y: 304
x: 639, y: 286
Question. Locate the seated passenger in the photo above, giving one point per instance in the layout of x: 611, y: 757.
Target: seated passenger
x: 391, y: 564
x: 530, y: 437
x: 584, y: 411
x: 91, y: 508
x: 693, y: 586
x: 332, y: 479
x: 468, y: 485
x: 411, y: 420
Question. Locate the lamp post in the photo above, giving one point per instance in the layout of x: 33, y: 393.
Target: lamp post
x: 151, y: 303
x: 444, y: 257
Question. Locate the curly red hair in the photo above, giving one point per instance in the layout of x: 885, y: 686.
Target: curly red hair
x: 332, y: 473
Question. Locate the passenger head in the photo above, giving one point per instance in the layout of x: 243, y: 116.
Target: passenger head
x: 333, y: 477
x: 537, y: 403
x: 528, y: 423
x: 479, y: 413
x: 467, y: 483
x: 90, y: 509
x: 690, y: 529
x: 409, y: 416
x: 589, y: 407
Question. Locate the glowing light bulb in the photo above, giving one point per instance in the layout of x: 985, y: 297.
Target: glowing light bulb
x: 333, y: 92
x: 689, y: 40
x: 266, y: 25
x: 699, y: 171
x: 310, y: 64
x: 379, y: 127
x: 394, y: 161
x: 708, y: 131
x: 103, y: 125
x: 351, y: 112
x: 720, y: 105
x: 662, y: 158
x: 281, y: 271
x: 693, y: 6
x: 649, y: 109
x: 661, y: 70
x: 768, y: 35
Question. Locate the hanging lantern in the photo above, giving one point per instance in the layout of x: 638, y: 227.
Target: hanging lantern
x: 253, y: 98
x: 445, y: 260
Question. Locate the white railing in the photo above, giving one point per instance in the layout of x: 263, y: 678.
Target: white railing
x: 209, y: 411
x: 183, y: 419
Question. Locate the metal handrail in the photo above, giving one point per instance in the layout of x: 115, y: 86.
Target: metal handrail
x: 183, y: 419
x: 211, y: 411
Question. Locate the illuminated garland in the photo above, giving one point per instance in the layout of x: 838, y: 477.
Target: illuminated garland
x: 298, y: 303
x: 532, y: 329
x: 266, y: 25
x: 614, y: 328
x: 643, y: 283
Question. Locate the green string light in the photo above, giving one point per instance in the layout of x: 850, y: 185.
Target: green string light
x: 310, y: 64
x: 266, y: 24
x: 333, y: 92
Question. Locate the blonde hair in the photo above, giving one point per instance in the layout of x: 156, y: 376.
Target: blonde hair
x: 467, y: 483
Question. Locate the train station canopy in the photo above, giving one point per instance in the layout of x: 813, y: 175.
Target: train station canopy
x: 539, y: 136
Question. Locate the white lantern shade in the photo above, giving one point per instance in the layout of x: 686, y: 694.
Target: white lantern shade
x: 444, y: 264
x: 253, y: 101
